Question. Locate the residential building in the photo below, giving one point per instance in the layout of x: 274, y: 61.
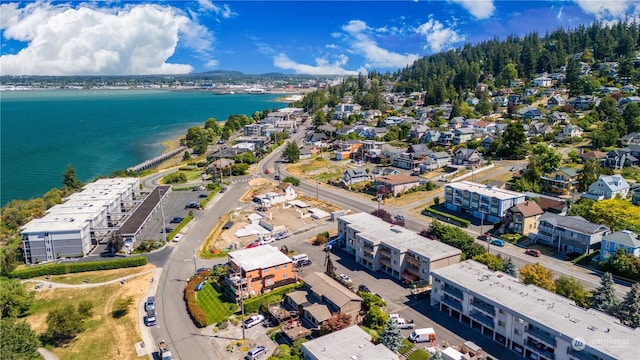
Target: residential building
x: 349, y: 343
x: 549, y: 204
x: 585, y: 102
x: 284, y: 192
x: 259, y: 141
x: 430, y: 136
x: 347, y: 149
x: 355, y: 175
x: 257, y: 270
x: 406, y: 161
x: 253, y: 130
x: 556, y: 100
x: 597, y: 156
x: 607, y: 187
x: 626, y: 240
x: 523, y: 218
x: 635, y: 194
x: 570, y: 233
x: 558, y: 118
x: 435, y: 161
x: 570, y: 132
x: 561, y: 182
x: 462, y: 135
x: 630, y: 139
x: 395, y: 250
x: 532, y: 322
x: 542, y: 81
x: 480, y: 201
x: 86, y: 218
x: 384, y: 171
x: 322, y: 289
x: 396, y: 184
x: 467, y: 157
x: 624, y: 157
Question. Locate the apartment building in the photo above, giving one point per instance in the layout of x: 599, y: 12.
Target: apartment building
x: 531, y: 322
x: 570, y: 233
x: 257, y: 270
x: 397, y: 251
x: 523, y: 218
x: 348, y: 343
x: 481, y: 201
x: 72, y: 228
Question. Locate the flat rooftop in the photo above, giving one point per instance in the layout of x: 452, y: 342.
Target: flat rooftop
x: 56, y: 223
x: 348, y: 343
x: 536, y: 305
x: 260, y: 257
x: 485, y: 190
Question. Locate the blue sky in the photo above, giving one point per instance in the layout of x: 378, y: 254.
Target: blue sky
x: 297, y: 37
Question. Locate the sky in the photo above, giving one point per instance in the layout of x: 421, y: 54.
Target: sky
x: 110, y: 37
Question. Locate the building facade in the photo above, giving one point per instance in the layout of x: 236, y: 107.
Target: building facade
x: 527, y: 320
x: 626, y: 240
x: 523, y: 218
x: 570, y: 233
x: 608, y: 187
x: 481, y: 201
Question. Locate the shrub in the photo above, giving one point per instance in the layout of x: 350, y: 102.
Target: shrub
x: 254, y: 304
x: 446, y: 217
x: 198, y: 316
x: 68, y: 268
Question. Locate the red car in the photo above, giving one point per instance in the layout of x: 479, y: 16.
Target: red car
x: 266, y: 171
x: 533, y: 252
x: 252, y: 245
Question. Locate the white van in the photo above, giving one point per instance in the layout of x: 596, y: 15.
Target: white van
x: 298, y: 258
x: 423, y: 335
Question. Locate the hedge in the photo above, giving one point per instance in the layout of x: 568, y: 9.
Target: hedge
x: 446, y: 217
x: 77, y: 267
x: 254, y: 304
x: 195, y: 312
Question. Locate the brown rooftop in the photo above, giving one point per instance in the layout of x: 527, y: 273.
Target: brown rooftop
x: 528, y: 209
x: 398, y: 179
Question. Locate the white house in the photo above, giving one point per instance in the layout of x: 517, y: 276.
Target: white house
x: 570, y: 131
x: 542, y: 81
x: 286, y: 192
x: 607, y: 187
x: 626, y: 240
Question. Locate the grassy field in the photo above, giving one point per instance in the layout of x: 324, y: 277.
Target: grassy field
x: 95, y: 276
x: 104, y: 336
x: 318, y: 168
x: 216, y: 306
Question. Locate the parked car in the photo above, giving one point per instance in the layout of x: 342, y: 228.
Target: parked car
x: 150, y: 304
x: 266, y: 171
x: 515, y: 168
x: 497, y: 242
x: 253, y: 321
x: 345, y: 278
x: 303, y: 263
x: 283, y: 235
x: 150, y: 320
x: 256, y: 352
x: 176, y: 220
x: 223, y: 189
x: 265, y: 241
x: 192, y: 205
x: 399, y: 217
x: 363, y: 288
x: 484, y: 237
x: 203, y: 195
x: 167, y: 230
x: 202, y: 270
x: 277, y: 177
x: 533, y: 252
x: 252, y: 245
x: 177, y: 237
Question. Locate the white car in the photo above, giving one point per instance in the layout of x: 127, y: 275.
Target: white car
x: 265, y: 241
x: 346, y: 279
x: 177, y: 237
x: 253, y: 321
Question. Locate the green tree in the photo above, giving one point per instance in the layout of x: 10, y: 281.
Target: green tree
x: 604, y: 298
x: 510, y: 268
x: 573, y: 289
x: 15, y: 299
x: 618, y: 214
x: 85, y: 309
x: 484, y: 106
x: 631, y: 116
x: 70, y: 180
x: 239, y: 169
x: 582, y: 207
x: 391, y: 336
x: 8, y: 259
x: 18, y: 340
x: 629, y: 311
x: 537, y: 275
x: 186, y: 156
x: 375, y: 318
x: 292, y: 180
x: 493, y: 262
x: 213, y: 125
x: 291, y: 152
x: 63, y: 324
x: 509, y: 73
x: 548, y: 157
x: 513, y: 141
x: 588, y: 175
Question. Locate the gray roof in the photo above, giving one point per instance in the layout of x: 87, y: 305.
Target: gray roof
x: 624, y: 237
x: 319, y: 312
x: 260, y: 257
x: 613, y: 182
x: 348, y: 343
x: 575, y: 223
x: 299, y: 297
x: 322, y: 284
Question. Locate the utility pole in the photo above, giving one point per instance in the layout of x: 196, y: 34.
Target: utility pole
x: 164, y: 228
x: 195, y: 267
x: 241, y: 300
x: 317, y: 197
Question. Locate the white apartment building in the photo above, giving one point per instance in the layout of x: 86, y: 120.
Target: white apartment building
x: 480, y: 201
x: 397, y: 251
x: 73, y: 227
x: 530, y: 321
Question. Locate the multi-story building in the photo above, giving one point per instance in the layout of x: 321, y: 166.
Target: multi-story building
x: 399, y: 252
x: 348, y: 343
x: 626, y: 240
x: 570, y: 233
x: 530, y: 321
x: 72, y: 228
x: 608, y: 187
x: 481, y: 201
x: 257, y: 270
x: 561, y: 182
x: 523, y: 218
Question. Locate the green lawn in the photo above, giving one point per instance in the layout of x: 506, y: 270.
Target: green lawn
x: 217, y: 307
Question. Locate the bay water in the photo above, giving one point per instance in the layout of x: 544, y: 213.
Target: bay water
x: 98, y: 131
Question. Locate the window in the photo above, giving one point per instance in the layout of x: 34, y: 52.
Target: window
x: 501, y: 311
x: 265, y: 270
x: 277, y: 267
x: 500, y: 323
x: 285, y: 276
x: 517, y: 332
x: 269, y: 282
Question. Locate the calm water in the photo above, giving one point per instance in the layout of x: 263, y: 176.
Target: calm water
x: 98, y: 131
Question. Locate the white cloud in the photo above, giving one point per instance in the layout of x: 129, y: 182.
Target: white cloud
x: 480, y: 9
x: 89, y: 40
x: 607, y: 9
x: 224, y: 11
x: 322, y: 66
x: 363, y: 44
x: 438, y: 37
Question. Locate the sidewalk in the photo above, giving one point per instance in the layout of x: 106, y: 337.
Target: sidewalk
x: 147, y: 345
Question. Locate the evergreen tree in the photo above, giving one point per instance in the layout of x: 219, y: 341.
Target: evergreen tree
x: 513, y: 139
x: 391, y: 336
x: 291, y: 152
x: 69, y: 179
x: 510, y: 268
x: 588, y: 175
x: 18, y: 340
x: 629, y: 311
x: 604, y: 298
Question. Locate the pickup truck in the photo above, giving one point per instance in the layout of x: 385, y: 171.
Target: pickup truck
x: 401, y: 322
x: 163, y: 351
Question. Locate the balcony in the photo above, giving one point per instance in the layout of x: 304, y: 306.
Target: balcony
x: 367, y: 248
x: 455, y: 292
x: 368, y: 256
x: 385, y: 252
x: 540, y: 335
x: 482, y: 318
x: 489, y: 309
x: 236, y: 279
x: 412, y: 260
x: 452, y: 303
x: 537, y: 347
x: 413, y: 270
x: 385, y: 261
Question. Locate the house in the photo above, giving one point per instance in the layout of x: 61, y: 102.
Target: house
x: 480, y: 201
x: 549, y: 204
x: 384, y: 171
x: 435, y: 161
x: 456, y: 122
x: 539, y: 129
x: 522, y: 218
x: 349, y: 343
x: 530, y: 114
x: 462, y: 135
x: 561, y: 182
x: 257, y: 270
x: 630, y: 139
x: 393, y: 121
x: 570, y: 233
x: 569, y: 132
x: 626, y: 240
x: 354, y: 176
x: 467, y: 157
x: 345, y: 130
x: 607, y: 187
x: 284, y: 192
x: 621, y: 158
x: 406, y: 161
x: 584, y: 102
x: 514, y: 100
x: 635, y: 194
x: 346, y: 150
x: 445, y: 138
x: 417, y: 131
x: 258, y: 141
x: 558, y: 118
x: 484, y: 127
x: 629, y: 88
x: 487, y: 141
x: 396, y: 184
x: 597, y: 156
x: 542, y: 81
x: 399, y: 252
x: 556, y: 100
